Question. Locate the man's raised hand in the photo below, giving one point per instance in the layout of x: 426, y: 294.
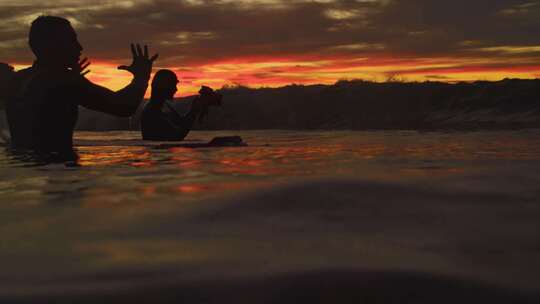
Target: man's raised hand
x: 141, y: 67
x: 80, y: 68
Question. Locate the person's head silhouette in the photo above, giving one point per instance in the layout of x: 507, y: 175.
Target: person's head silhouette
x: 54, y: 42
x: 164, y: 85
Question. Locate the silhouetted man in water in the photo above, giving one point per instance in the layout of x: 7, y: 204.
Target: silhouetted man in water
x: 42, y: 108
x: 160, y: 121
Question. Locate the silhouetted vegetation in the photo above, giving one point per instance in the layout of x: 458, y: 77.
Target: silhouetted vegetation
x: 358, y: 104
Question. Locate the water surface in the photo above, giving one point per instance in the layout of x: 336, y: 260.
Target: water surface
x: 118, y: 168
x: 136, y: 214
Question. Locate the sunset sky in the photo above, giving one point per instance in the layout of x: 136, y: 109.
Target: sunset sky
x: 278, y: 42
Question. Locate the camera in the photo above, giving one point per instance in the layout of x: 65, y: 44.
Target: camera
x: 212, y: 98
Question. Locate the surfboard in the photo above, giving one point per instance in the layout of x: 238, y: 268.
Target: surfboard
x: 221, y: 141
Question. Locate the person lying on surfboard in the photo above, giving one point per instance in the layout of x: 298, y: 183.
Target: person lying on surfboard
x: 160, y: 121
x: 42, y: 108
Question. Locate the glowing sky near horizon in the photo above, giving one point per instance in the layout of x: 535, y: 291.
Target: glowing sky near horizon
x: 278, y: 42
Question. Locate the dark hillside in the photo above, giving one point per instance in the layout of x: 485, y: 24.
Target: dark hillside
x: 365, y: 105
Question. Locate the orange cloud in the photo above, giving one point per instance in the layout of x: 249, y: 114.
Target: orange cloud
x: 278, y: 42
x: 267, y: 71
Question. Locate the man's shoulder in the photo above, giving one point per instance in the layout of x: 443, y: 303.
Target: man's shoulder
x: 32, y: 85
x: 58, y: 81
x: 50, y: 76
x: 16, y: 82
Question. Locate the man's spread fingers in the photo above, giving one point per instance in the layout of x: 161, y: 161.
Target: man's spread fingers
x: 145, y: 51
x: 154, y: 57
x: 133, y: 51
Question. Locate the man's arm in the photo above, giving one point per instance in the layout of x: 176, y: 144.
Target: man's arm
x: 124, y: 102
x: 181, y: 128
x: 186, y: 122
x: 121, y: 103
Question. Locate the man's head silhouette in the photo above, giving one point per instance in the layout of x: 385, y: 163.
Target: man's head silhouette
x: 164, y: 84
x: 54, y: 42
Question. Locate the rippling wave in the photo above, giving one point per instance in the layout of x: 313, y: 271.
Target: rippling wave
x: 295, y: 217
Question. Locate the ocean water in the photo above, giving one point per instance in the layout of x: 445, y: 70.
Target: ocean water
x: 448, y: 209
x: 118, y: 168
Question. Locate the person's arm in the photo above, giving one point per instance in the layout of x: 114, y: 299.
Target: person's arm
x: 180, y: 129
x: 124, y: 102
x: 121, y: 103
x: 187, y: 120
x: 182, y: 124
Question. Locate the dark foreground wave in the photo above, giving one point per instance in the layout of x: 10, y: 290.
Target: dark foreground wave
x: 331, y: 286
x: 330, y: 241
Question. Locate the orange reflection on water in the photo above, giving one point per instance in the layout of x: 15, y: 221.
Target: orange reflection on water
x: 186, y: 161
x: 243, y: 162
x: 214, y: 187
x: 276, y: 160
x: 246, y: 166
x: 185, y: 157
x: 192, y: 163
x: 287, y: 154
x: 106, y: 156
x: 444, y: 149
x: 148, y: 190
x: 194, y: 188
x: 143, y: 164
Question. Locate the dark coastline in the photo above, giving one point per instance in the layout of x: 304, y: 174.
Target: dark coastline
x: 509, y: 104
